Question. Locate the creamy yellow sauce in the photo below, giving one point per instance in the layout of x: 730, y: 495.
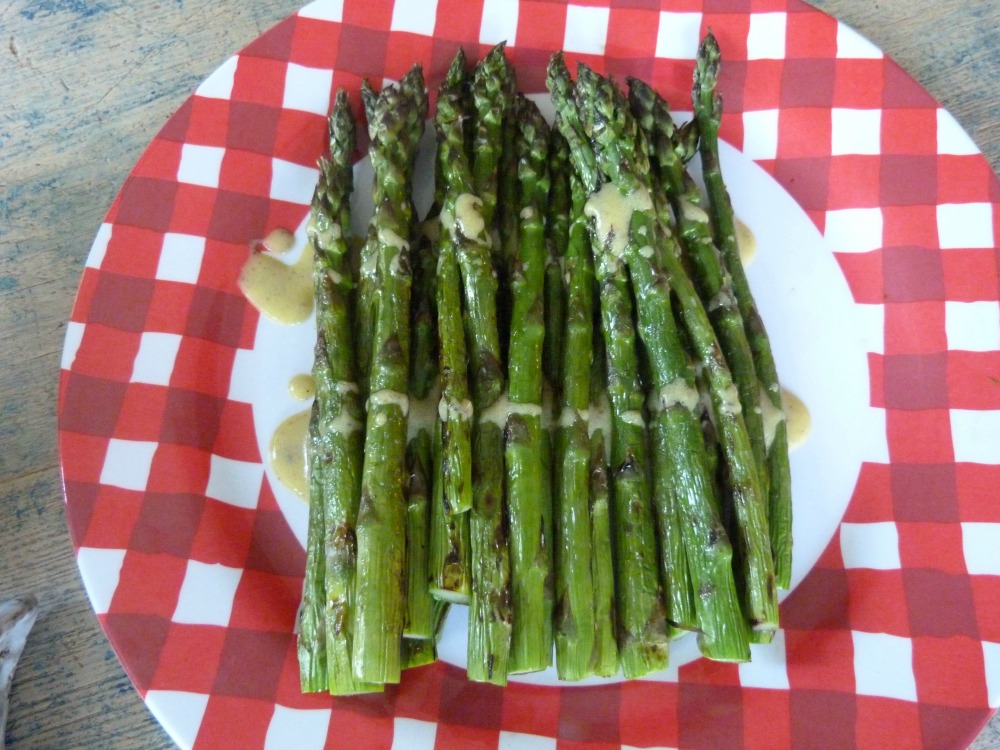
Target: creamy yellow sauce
x: 794, y: 414
x: 498, y: 412
x: 467, y: 217
x: 281, y: 291
x: 288, y: 453
x: 612, y: 214
x: 424, y: 413
x: 797, y: 419
x: 279, y: 241
x: 692, y: 212
x: 302, y: 387
x: 746, y: 242
x: 674, y: 393
x: 771, y: 416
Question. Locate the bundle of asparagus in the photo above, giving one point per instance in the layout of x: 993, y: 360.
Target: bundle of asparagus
x: 604, y: 464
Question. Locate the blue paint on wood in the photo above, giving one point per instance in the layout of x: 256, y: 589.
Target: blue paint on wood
x: 81, y: 8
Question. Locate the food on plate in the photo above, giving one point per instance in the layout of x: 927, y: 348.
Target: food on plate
x: 551, y: 399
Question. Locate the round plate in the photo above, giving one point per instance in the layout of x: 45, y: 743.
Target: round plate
x: 191, y: 561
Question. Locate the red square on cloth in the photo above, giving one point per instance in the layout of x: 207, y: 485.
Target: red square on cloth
x: 976, y: 486
x: 766, y: 719
x: 188, y: 659
x: 541, y: 25
x: 970, y: 275
x: 887, y: 723
x: 820, y: 660
x: 106, y: 353
x: 871, y: 501
x: 148, y: 584
x: 915, y: 328
x: 647, y: 713
x: 877, y: 602
x: 112, y: 518
x: 801, y: 129
x: 223, y: 535
x: 949, y: 671
x: 234, y: 721
x: 178, y: 469
x: 531, y: 709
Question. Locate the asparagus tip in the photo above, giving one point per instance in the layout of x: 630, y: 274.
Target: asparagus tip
x: 456, y: 71
x: 706, y: 71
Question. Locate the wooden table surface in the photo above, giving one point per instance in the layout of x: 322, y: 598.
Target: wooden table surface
x: 85, y: 84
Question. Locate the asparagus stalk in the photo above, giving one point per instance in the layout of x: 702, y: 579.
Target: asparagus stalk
x: 490, y: 607
x: 622, y: 157
x: 507, y: 219
x: 464, y: 216
x: 420, y: 651
x: 605, y: 659
x: 334, y: 447
x: 675, y: 447
x: 311, y: 643
x: 492, y: 96
x: 642, y: 638
x: 456, y: 407
x: 711, y: 278
x: 419, y: 621
x: 528, y: 505
x: 401, y: 150
x: 708, y: 112
x: 575, y: 547
x: 381, y: 530
x: 424, y: 612
x: 642, y: 630
x: 448, y: 547
x: 678, y: 468
x: 556, y: 237
x: 423, y: 311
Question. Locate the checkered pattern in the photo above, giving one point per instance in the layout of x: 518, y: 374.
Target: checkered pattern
x: 894, y: 634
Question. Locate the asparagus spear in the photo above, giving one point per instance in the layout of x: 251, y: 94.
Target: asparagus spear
x: 423, y: 312
x: 419, y: 603
x: 464, y: 216
x: 527, y: 502
x: 381, y: 536
x: 491, y: 612
x: 556, y: 236
x: 334, y: 448
x: 621, y: 156
x: 311, y: 643
x: 456, y: 407
x: 490, y: 609
x: 602, y: 568
x: 420, y: 651
x: 448, y: 547
x: 642, y: 639
x: 708, y: 111
x: 605, y: 658
x: 401, y: 150
x: 575, y: 627
x: 492, y: 96
x: 711, y: 278
x: 678, y: 469
x: 642, y: 635
x: 507, y: 219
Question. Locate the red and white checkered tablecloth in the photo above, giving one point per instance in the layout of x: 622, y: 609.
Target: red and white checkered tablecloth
x: 892, y: 640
